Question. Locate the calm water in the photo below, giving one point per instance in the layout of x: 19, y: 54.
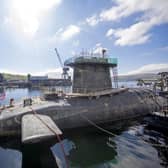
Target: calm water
x: 131, y: 148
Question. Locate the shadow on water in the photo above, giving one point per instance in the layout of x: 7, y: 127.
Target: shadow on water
x: 37, y: 156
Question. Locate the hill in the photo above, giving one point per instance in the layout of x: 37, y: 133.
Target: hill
x: 121, y: 78
x: 125, y: 78
x: 8, y: 76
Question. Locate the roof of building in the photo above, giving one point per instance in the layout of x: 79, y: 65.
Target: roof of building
x: 38, y: 77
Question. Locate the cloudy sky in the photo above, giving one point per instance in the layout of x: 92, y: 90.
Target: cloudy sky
x: 134, y: 31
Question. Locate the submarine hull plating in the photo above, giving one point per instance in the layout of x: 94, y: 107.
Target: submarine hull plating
x: 122, y: 106
x: 73, y: 112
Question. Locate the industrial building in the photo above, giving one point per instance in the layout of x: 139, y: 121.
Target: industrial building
x: 36, y: 81
x: 1, y: 77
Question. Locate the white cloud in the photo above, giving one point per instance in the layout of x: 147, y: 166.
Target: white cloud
x: 65, y: 34
x: 110, y: 32
x: 57, y: 73
x: 98, y: 49
x: 153, y: 13
x: 135, y: 34
x: 56, y: 37
x: 25, y: 15
x: 75, y: 43
x: 150, y: 68
x: 69, y: 32
x: 73, y: 53
x: 125, y: 8
x: 93, y: 20
x: 48, y: 72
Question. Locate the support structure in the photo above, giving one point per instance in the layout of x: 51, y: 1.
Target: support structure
x: 115, y: 77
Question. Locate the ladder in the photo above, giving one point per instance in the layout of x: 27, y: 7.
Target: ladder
x: 115, y: 77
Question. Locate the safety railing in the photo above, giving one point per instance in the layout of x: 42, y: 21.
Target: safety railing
x: 91, y: 59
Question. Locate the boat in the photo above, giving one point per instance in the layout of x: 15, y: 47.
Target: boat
x: 93, y: 100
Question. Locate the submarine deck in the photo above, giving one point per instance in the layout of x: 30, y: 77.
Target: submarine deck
x: 67, y: 101
x: 39, y: 104
x: 98, y: 93
x: 36, y: 105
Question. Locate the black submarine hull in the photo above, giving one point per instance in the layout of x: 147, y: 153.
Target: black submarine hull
x: 106, y: 109
x: 75, y: 112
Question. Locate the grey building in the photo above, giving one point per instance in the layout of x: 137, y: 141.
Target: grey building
x: 1, y: 77
x: 45, y: 81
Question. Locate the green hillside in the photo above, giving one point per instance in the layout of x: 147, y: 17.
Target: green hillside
x: 126, y: 78
x: 121, y: 78
x: 14, y: 76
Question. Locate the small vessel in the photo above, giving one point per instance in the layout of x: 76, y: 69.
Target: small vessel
x: 159, y: 119
x: 93, y: 98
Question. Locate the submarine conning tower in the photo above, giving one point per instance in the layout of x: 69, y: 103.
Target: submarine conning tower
x: 91, y: 72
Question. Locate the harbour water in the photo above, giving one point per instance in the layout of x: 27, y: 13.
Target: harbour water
x: 131, y: 147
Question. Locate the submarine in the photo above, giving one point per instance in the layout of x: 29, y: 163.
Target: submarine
x: 93, y: 99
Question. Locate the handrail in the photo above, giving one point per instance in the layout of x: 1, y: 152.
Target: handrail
x: 91, y: 59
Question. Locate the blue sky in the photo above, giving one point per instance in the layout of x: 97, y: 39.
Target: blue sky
x: 136, y: 32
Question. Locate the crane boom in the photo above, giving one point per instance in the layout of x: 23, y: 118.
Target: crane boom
x: 59, y: 58
x: 64, y: 69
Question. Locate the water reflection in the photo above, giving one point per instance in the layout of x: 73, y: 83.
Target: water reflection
x: 13, y: 154
x: 10, y: 158
x: 59, y: 155
x: 131, y: 148
x: 21, y: 93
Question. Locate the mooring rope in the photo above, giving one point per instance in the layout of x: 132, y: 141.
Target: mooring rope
x: 52, y: 130
x: 100, y: 128
x: 110, y: 133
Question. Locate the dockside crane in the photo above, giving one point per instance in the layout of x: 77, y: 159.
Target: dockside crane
x: 65, y: 69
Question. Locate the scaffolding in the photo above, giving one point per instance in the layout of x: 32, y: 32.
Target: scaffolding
x: 115, y: 76
x: 108, y: 61
x: 93, y: 67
